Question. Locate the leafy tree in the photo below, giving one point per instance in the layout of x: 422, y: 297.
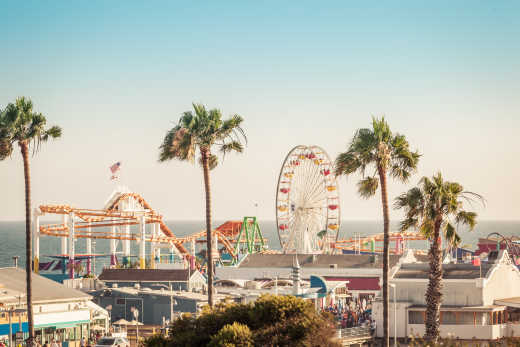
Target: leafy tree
x: 435, y: 207
x: 203, y: 130
x: 19, y: 124
x: 271, y: 320
x: 375, y: 153
x: 232, y: 335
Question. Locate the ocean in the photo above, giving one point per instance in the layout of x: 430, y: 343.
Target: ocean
x: 12, y: 237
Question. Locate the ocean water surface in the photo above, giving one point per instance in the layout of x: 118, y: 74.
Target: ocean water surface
x: 12, y: 237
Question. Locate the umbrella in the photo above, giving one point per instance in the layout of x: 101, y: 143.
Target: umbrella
x: 134, y: 322
x: 121, y: 322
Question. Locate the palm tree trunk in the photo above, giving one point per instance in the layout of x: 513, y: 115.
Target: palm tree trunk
x: 386, y: 258
x: 28, y: 239
x: 433, y: 293
x: 205, y: 165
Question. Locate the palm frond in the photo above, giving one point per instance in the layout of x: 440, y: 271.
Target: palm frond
x: 451, y: 236
x: 367, y: 187
x: 231, y: 146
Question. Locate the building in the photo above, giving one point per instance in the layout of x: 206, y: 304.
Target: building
x: 360, y: 273
x: 155, y: 306
x: 479, y: 302
x: 170, y: 279
x: 60, y: 313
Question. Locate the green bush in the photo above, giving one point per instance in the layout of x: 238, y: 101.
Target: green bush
x: 270, y: 320
x: 232, y: 335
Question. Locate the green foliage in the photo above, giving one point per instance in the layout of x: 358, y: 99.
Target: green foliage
x: 437, y: 200
x: 270, y: 321
x: 20, y: 124
x: 374, y: 152
x: 232, y: 335
x: 202, y: 129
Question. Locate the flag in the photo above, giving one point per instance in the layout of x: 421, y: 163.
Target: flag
x: 113, y: 169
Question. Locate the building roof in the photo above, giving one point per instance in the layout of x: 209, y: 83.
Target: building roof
x: 357, y: 283
x: 144, y: 275
x: 450, y: 271
x: 511, y: 302
x: 44, y: 290
x: 316, y: 261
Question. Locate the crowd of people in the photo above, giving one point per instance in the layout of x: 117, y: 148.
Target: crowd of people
x: 353, y: 313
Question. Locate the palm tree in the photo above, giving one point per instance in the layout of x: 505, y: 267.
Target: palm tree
x: 203, y: 130
x: 375, y: 153
x: 433, y: 207
x: 20, y: 124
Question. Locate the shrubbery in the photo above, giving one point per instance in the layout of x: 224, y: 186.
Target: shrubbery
x: 269, y: 321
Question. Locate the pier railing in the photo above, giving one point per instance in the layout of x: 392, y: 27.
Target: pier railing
x: 355, y: 333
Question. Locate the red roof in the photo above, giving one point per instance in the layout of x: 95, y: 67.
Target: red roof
x: 357, y: 283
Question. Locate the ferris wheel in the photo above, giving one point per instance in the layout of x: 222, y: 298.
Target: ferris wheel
x: 307, y: 202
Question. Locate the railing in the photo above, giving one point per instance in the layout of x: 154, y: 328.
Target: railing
x: 355, y: 333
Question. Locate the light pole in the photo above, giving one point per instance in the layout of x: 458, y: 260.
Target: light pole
x: 109, y: 310
x: 395, y: 314
x: 136, y: 315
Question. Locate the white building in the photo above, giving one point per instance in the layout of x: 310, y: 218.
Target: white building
x: 479, y: 302
x: 60, y: 313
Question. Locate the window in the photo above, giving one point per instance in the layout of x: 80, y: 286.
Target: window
x: 120, y: 302
x: 467, y: 318
x: 448, y: 317
x: 415, y: 317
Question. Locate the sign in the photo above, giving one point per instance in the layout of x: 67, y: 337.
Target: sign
x: 19, y: 337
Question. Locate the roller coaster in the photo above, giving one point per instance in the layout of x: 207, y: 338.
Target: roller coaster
x: 125, y: 209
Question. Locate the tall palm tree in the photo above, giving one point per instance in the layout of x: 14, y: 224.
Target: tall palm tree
x: 203, y: 130
x: 21, y: 125
x: 375, y: 153
x: 433, y: 208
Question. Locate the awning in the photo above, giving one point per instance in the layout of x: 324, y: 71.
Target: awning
x: 510, y: 302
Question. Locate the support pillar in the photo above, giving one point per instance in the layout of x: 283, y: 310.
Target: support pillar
x: 64, y: 248
x: 193, y: 255
x: 126, y: 246
x: 89, y: 251
x: 113, y: 258
x: 158, y: 250
x: 36, y: 237
x: 153, y: 247
x: 71, y: 245
x: 142, y: 244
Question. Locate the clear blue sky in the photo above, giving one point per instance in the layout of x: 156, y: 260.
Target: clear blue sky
x: 117, y: 74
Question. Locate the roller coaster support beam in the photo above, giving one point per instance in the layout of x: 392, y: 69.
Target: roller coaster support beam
x: 113, y: 257
x: 89, y: 251
x: 71, y: 245
x: 142, y: 244
x: 36, y: 238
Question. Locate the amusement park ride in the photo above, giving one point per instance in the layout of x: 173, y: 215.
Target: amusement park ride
x: 123, y: 210
x: 308, y: 221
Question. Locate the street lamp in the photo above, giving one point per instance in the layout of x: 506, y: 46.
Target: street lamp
x: 136, y: 315
x: 109, y: 310
x: 395, y: 315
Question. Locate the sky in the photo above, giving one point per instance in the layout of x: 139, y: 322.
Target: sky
x: 116, y: 75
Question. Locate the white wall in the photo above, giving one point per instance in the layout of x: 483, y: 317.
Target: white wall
x: 503, y: 283
x: 377, y: 314
x: 483, y: 332
x: 455, y: 292
x: 61, y: 317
